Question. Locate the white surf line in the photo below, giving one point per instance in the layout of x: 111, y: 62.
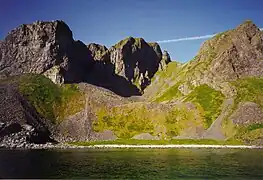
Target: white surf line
x: 175, y: 146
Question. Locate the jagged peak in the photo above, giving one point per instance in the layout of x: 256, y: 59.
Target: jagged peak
x: 130, y: 40
x: 246, y: 25
x: 225, y: 40
x: 42, y: 23
x: 97, y: 46
x: 56, y: 26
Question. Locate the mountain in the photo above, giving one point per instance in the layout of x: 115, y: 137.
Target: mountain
x: 228, y: 68
x: 77, y: 92
x: 44, y: 48
x: 131, y: 59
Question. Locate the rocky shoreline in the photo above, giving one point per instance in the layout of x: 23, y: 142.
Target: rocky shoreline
x: 123, y: 146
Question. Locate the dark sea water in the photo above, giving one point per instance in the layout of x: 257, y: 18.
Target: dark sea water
x: 133, y: 164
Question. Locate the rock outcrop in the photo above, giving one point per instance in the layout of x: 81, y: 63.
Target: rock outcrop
x: 20, y: 124
x: 242, y: 55
x: 248, y: 113
x: 45, y: 48
x: 166, y: 59
x: 48, y: 48
x: 228, y: 56
x: 127, y: 67
x: 97, y: 50
x: 189, y: 93
x: 135, y: 60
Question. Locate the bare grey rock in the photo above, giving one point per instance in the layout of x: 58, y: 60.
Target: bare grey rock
x: 45, y: 48
x: 19, y: 120
x: 135, y: 60
x: 145, y: 136
x: 97, y: 51
x: 247, y: 113
x: 166, y: 59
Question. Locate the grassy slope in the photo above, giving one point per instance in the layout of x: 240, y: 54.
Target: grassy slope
x: 162, y: 81
x: 248, y: 89
x: 132, y: 119
x: 174, y: 76
x: 50, y: 100
x: 209, y: 99
x: 129, y: 121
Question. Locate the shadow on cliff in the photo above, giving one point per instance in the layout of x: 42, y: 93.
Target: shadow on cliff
x: 103, y: 75
x: 83, y: 68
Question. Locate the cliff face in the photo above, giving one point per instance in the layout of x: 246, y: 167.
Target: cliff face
x: 97, y: 50
x: 127, y: 67
x: 48, y: 48
x: 234, y: 54
x: 19, y: 121
x: 216, y: 95
x: 166, y: 59
x: 227, y: 67
x: 44, y: 48
x: 228, y: 56
x: 131, y: 59
x: 135, y: 60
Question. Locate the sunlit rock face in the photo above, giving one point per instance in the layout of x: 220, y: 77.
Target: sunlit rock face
x: 44, y: 47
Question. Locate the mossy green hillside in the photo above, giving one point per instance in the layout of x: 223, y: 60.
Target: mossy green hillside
x: 249, y: 134
x: 249, y: 89
x: 162, y: 80
x: 209, y: 99
x: 172, y: 93
x: 52, y: 101
x: 194, y: 70
x: 132, y: 119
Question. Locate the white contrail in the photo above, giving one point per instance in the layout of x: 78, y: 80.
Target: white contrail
x: 187, y: 38
x: 190, y: 38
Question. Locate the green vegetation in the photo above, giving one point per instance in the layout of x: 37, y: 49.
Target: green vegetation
x: 249, y: 89
x: 172, y: 93
x: 180, y: 118
x: 137, y: 42
x: 249, y: 133
x: 50, y: 100
x: 171, y: 69
x: 162, y: 80
x: 129, y: 120
x: 252, y: 127
x: 158, y: 142
x: 209, y: 99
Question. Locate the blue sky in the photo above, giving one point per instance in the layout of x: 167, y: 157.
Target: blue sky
x: 108, y: 21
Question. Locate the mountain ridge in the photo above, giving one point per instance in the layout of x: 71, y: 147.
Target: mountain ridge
x: 147, y: 95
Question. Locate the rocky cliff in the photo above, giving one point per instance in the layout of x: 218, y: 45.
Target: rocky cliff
x: 136, y: 60
x: 48, y: 48
x: 131, y: 59
x: 97, y: 50
x: 228, y: 66
x: 44, y: 48
x: 20, y: 123
x: 216, y: 95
